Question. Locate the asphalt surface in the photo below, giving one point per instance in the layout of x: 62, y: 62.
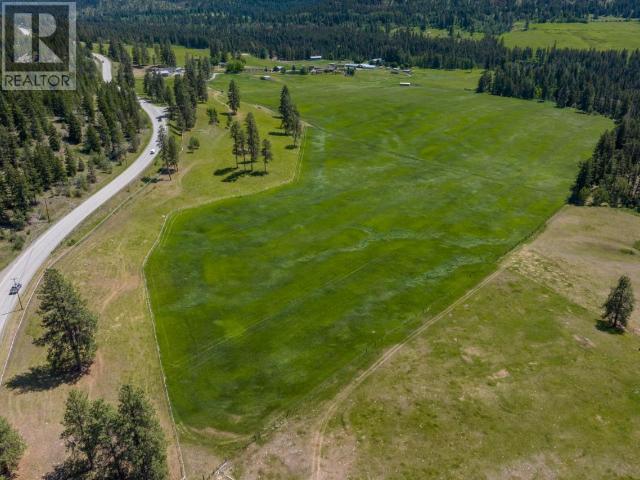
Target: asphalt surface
x: 24, y: 268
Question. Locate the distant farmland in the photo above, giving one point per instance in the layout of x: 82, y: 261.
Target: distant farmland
x: 600, y: 35
x: 407, y: 198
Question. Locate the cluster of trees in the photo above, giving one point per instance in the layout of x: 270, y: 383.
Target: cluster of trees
x: 607, y: 83
x: 37, y: 130
x: 102, y: 441
x: 68, y: 327
x: 247, y: 142
x: 123, y: 443
x: 188, y: 90
x: 337, y: 28
x: 139, y: 54
x: 11, y: 449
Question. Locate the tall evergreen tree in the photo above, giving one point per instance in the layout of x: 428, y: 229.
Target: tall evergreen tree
x: 234, y: 97
x: 68, y: 326
x: 267, y: 155
x: 619, y: 304
x: 253, y: 139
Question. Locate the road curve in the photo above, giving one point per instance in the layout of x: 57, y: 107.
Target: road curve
x: 25, y: 267
x: 105, y: 64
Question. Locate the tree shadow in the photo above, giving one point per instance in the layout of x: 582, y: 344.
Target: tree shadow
x: 235, y: 176
x: 277, y: 134
x: 147, y: 180
x: 291, y: 147
x: 606, y: 327
x: 223, y: 171
x: 70, y: 469
x: 41, y: 378
x: 259, y: 173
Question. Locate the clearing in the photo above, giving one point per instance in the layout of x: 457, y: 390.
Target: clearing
x: 407, y: 198
x: 601, y: 35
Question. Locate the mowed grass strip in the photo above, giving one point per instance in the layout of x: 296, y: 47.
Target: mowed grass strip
x: 408, y: 196
x: 600, y: 35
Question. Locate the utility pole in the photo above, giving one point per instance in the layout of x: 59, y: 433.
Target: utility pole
x: 46, y: 207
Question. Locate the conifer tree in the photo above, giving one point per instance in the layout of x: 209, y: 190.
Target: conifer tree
x: 68, y: 326
x: 619, y: 304
x: 267, y: 155
x: 234, y: 97
x: 253, y: 139
x: 12, y: 447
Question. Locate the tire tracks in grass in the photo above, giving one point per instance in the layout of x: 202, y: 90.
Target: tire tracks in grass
x: 318, y: 433
x: 329, y: 411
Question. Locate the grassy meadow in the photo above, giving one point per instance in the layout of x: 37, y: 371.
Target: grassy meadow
x: 599, y: 35
x: 517, y: 381
x: 406, y: 199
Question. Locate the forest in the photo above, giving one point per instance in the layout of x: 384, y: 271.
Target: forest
x: 294, y: 29
x: 42, y: 134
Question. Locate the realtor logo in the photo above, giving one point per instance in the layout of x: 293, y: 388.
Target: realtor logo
x: 38, y: 45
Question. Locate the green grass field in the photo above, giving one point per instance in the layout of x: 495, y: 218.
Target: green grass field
x: 601, y: 35
x: 517, y: 381
x: 407, y: 198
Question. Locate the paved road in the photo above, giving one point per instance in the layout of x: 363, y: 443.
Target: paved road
x: 106, y: 67
x: 35, y: 255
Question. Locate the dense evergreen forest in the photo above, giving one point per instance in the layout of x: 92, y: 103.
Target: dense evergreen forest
x: 57, y: 140
x: 294, y: 29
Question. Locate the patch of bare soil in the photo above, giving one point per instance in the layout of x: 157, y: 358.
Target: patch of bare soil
x: 538, y: 467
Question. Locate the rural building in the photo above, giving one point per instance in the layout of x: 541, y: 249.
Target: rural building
x: 315, y: 57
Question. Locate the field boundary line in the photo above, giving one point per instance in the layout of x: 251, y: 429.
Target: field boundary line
x: 317, y: 439
x: 147, y: 300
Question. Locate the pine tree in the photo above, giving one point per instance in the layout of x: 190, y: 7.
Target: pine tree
x: 70, y: 163
x: 297, y: 130
x: 75, y: 128
x: 92, y: 140
x: 83, y: 428
x: 11, y: 449
x: 267, y: 155
x: 69, y: 327
x: 54, y: 138
x: 619, y: 304
x: 141, y: 436
x: 253, y: 139
x: 234, y: 97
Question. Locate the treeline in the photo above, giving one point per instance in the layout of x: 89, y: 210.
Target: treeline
x: 40, y: 129
x: 607, y: 83
x: 277, y: 25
